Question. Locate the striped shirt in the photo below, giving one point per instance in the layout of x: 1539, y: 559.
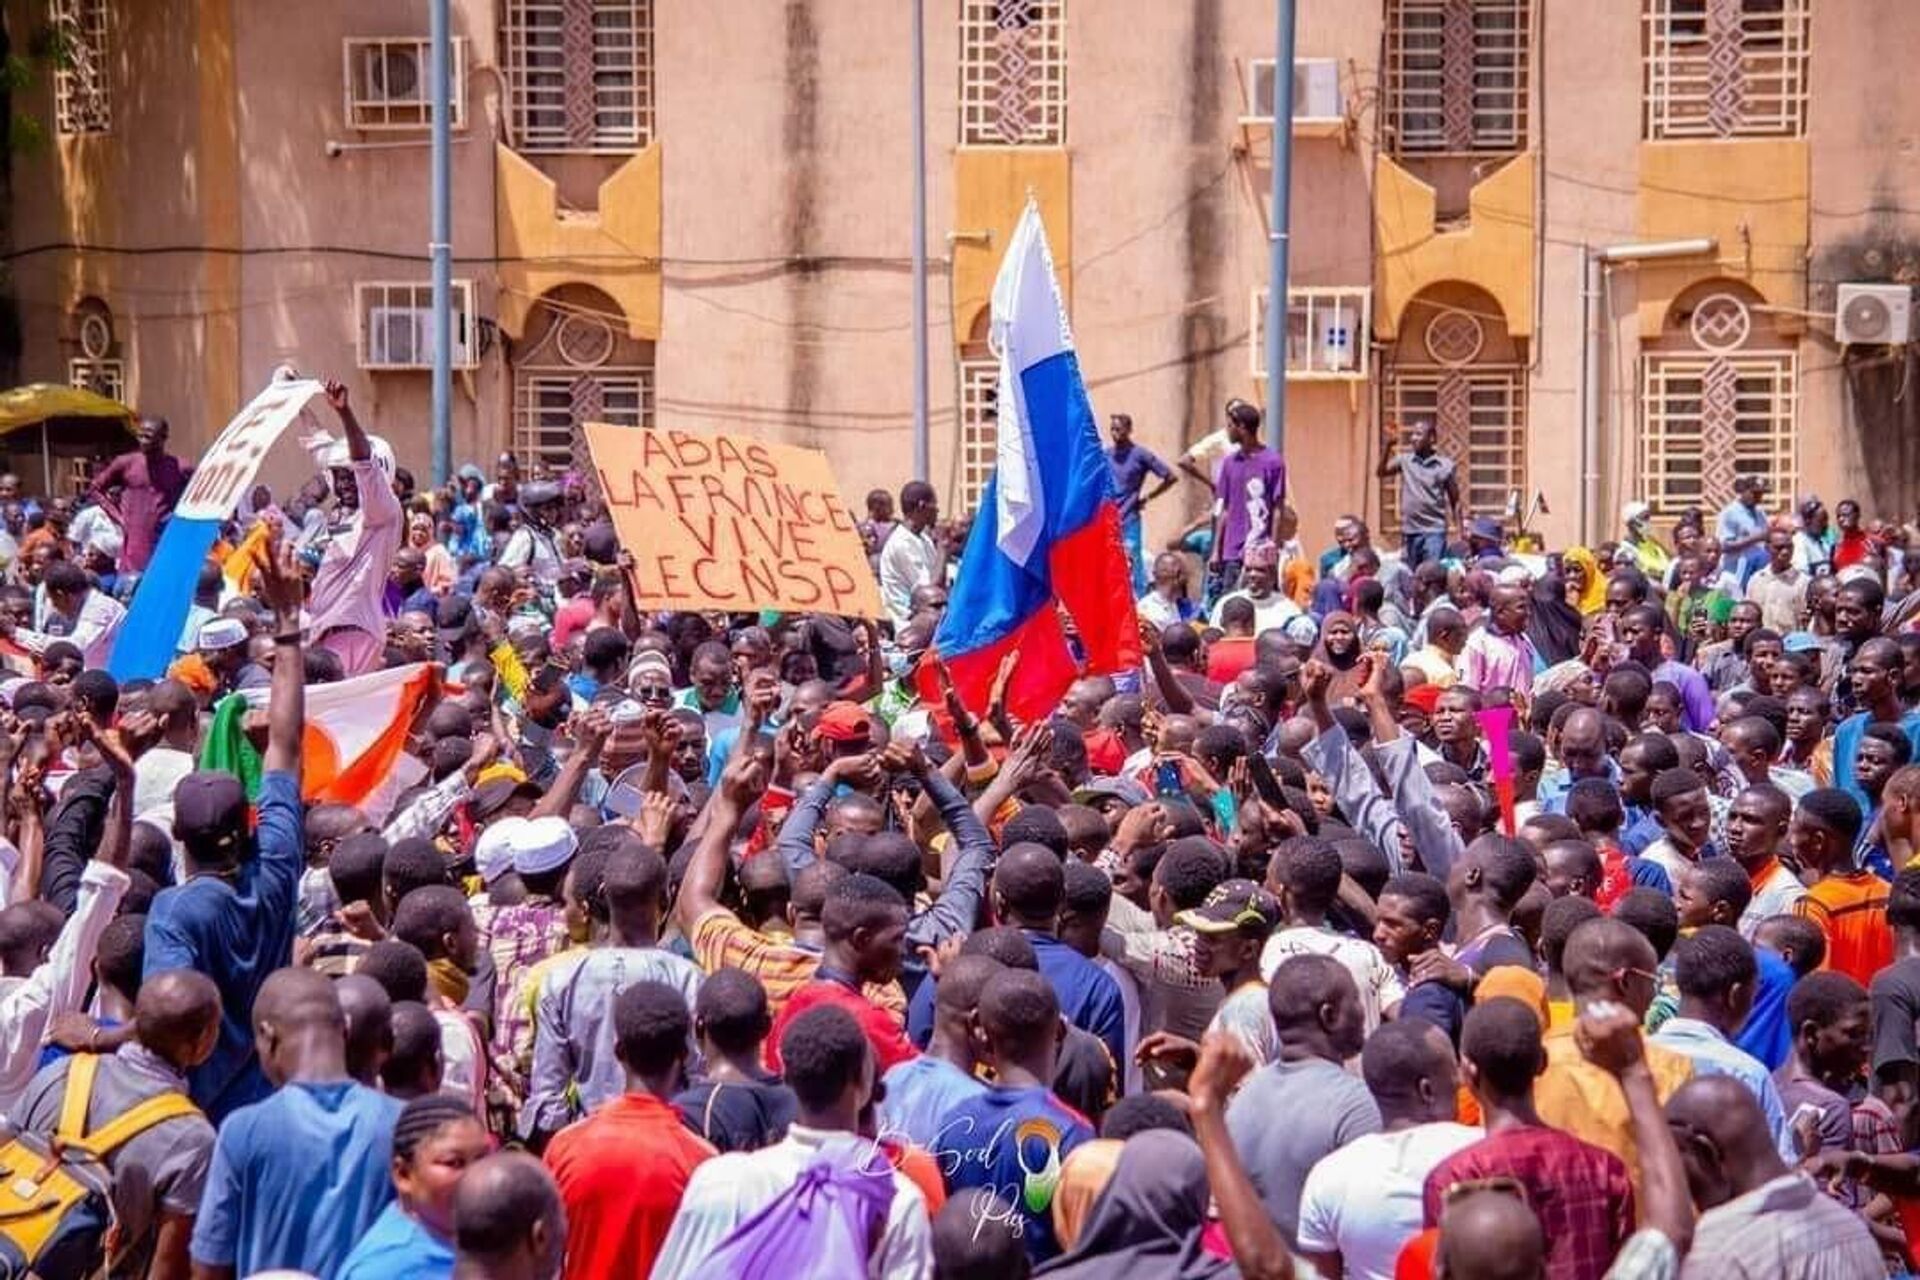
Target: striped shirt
x: 720, y: 940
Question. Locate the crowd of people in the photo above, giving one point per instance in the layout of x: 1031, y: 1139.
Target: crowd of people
x: 1466, y: 910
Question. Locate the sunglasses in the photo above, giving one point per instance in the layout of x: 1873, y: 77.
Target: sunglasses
x: 656, y: 693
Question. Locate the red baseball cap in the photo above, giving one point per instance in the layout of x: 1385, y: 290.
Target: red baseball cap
x: 844, y: 722
x: 1423, y: 697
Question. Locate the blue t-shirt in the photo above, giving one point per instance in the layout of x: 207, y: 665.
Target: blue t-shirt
x: 237, y: 931
x: 397, y: 1248
x: 1130, y: 472
x: 1013, y: 1142
x: 297, y: 1180
x: 920, y: 1093
x: 1738, y: 520
x: 1089, y: 997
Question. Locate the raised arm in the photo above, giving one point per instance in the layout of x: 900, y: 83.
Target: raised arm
x: 287, y: 705
x: 359, y: 447
x: 741, y: 781
x: 589, y: 730
x: 1172, y: 692
x: 1258, y: 1247
x: 1609, y: 1036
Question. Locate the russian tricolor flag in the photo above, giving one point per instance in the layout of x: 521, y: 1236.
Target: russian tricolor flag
x: 1047, y: 535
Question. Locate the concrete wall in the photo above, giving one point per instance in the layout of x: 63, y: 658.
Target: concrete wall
x: 770, y: 228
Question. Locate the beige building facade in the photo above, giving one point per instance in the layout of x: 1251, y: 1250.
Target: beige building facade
x: 697, y: 213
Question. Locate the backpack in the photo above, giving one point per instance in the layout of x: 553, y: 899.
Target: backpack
x: 828, y: 1223
x: 56, y: 1207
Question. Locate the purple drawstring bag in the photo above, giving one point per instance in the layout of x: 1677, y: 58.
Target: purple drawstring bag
x: 833, y: 1217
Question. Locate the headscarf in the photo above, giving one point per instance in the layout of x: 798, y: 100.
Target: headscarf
x: 1561, y: 677
x: 1083, y: 1177
x: 1347, y: 676
x: 1147, y: 1224
x: 1593, y: 596
x: 1554, y: 626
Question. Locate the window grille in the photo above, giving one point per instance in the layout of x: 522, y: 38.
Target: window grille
x: 1726, y: 68
x: 81, y: 103
x: 395, y: 324
x: 102, y: 377
x: 1013, y: 73
x: 1709, y: 417
x: 552, y: 405
x: 1481, y: 413
x: 579, y: 74
x: 979, y: 427
x: 1327, y: 334
x: 1456, y: 76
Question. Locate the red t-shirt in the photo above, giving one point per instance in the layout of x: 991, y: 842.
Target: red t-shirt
x: 622, y: 1172
x: 884, y: 1032
x: 569, y: 618
x: 1227, y: 657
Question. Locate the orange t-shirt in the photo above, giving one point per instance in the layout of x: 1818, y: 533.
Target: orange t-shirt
x: 1852, y: 911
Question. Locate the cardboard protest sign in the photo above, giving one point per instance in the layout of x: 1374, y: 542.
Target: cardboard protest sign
x: 729, y: 523
x: 158, y: 612
x: 229, y: 466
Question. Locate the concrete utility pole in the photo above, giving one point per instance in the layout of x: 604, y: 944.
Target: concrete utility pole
x: 1277, y: 233
x: 922, y: 431
x: 440, y: 242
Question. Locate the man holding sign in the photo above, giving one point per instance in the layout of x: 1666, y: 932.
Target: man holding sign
x: 348, y: 589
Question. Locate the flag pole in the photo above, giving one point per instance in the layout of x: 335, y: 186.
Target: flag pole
x: 922, y: 444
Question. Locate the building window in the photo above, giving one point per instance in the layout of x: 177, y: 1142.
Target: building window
x: 1013, y: 73
x: 396, y: 324
x: 1715, y: 413
x: 579, y: 74
x: 1481, y: 411
x: 574, y: 364
x: 1726, y: 68
x: 979, y: 427
x: 389, y: 83
x: 1457, y: 76
x: 80, y: 101
x: 102, y: 377
x: 552, y: 407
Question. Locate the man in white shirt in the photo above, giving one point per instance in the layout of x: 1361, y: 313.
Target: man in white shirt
x: 830, y: 1070
x: 1305, y: 876
x: 45, y: 977
x: 90, y: 620
x: 1756, y: 829
x: 159, y: 769
x: 1260, y: 585
x: 1362, y: 1203
x: 911, y: 558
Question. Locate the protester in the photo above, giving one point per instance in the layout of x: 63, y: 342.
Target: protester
x: 784, y: 934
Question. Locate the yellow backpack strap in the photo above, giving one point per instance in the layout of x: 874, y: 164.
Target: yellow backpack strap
x: 136, y: 1120
x: 82, y: 1069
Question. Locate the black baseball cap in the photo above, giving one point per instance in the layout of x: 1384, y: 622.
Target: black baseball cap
x: 210, y: 814
x: 1234, y: 906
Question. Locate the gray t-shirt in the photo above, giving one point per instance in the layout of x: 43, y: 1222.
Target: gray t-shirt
x: 158, y: 1172
x: 1423, y: 492
x: 1286, y: 1117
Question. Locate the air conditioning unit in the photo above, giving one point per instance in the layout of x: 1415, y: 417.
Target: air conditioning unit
x: 1874, y: 315
x: 1328, y: 331
x: 1316, y: 89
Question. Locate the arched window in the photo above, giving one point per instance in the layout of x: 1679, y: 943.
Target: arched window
x: 1718, y: 393
x: 576, y: 365
x: 1456, y: 366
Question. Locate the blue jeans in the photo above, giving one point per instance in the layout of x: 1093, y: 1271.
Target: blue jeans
x: 1421, y: 547
x: 1130, y: 538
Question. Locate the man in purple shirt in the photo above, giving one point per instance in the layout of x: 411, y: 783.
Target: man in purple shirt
x: 1638, y: 631
x: 150, y: 481
x: 1131, y: 464
x: 1248, y: 490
